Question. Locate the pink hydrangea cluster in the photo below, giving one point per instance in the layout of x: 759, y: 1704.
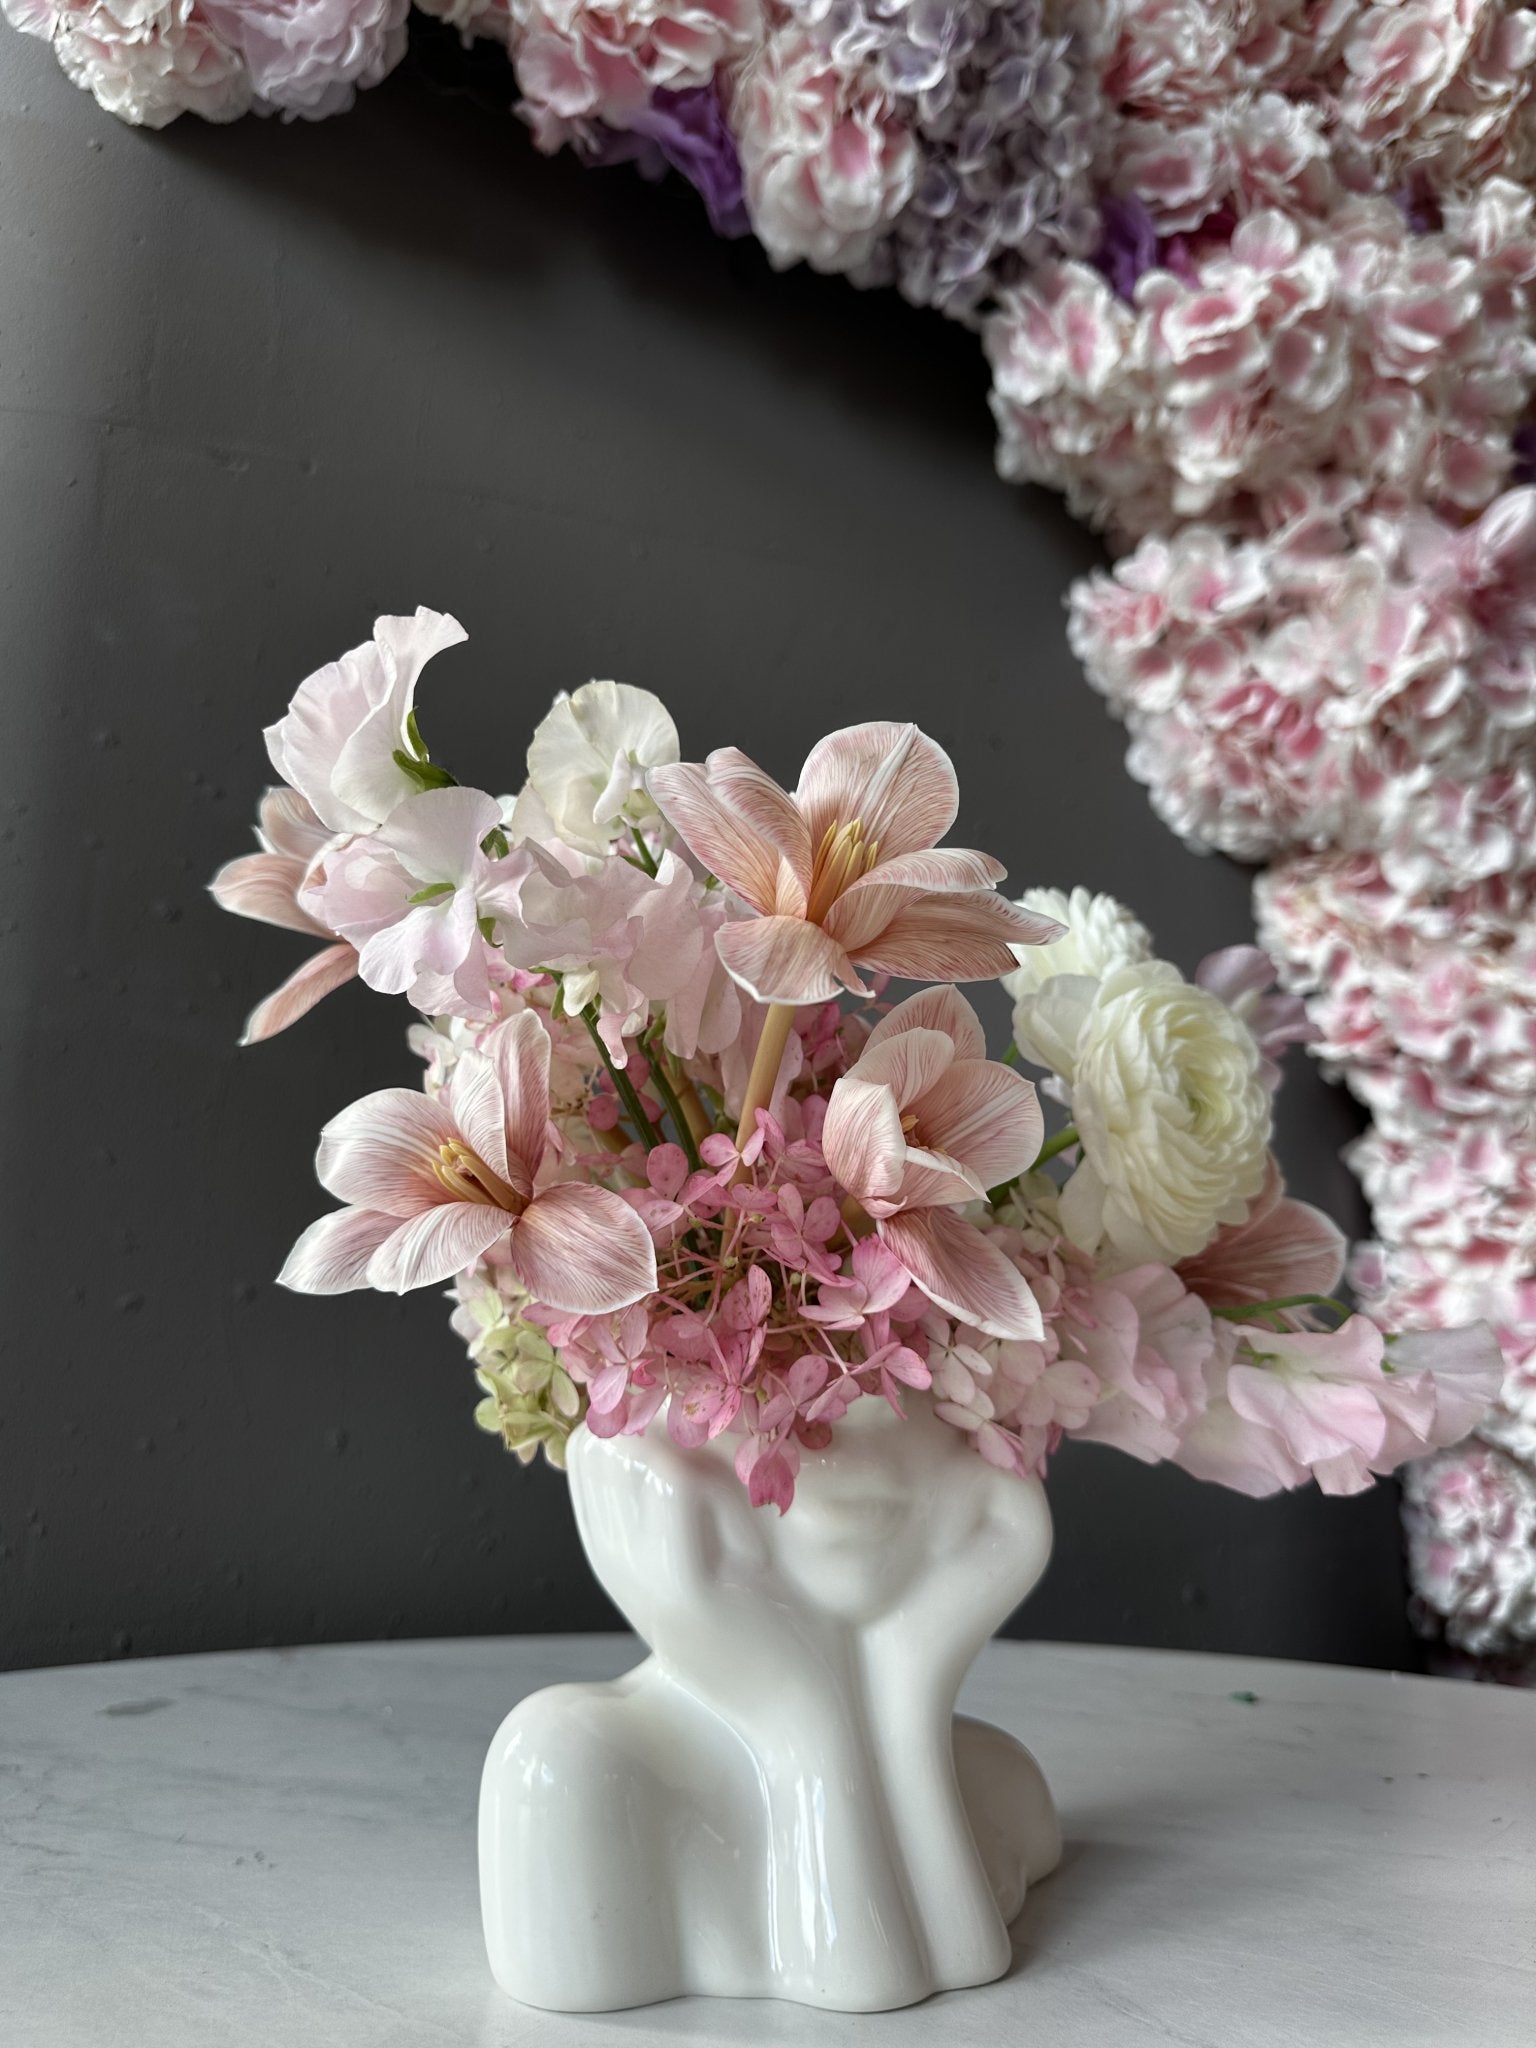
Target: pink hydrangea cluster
x: 686, y: 1167
x: 1352, y: 677
x: 147, y: 61
x: 1272, y: 346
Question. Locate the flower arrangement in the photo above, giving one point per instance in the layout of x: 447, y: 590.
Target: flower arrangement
x: 1256, y: 281
x: 678, y: 1153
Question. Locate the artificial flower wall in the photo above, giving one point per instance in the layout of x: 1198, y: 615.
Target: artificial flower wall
x: 1255, y: 279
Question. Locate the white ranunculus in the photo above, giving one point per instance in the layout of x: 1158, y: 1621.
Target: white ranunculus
x: 587, y: 762
x: 1100, y: 935
x: 1169, y: 1102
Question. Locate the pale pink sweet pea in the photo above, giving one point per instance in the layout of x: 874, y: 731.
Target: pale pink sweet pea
x: 337, y: 742
x: 433, y: 1182
x: 923, y: 1121
x: 266, y: 886
x: 847, y: 873
x: 411, y: 896
x: 1147, y: 1340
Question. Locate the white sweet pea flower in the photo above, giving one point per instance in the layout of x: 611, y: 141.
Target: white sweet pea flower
x: 1169, y: 1102
x: 588, y: 759
x: 1100, y: 935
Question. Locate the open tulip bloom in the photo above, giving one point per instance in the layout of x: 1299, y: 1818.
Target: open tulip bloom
x: 677, y: 1154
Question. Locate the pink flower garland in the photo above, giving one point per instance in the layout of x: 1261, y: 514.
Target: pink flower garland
x: 1296, y: 384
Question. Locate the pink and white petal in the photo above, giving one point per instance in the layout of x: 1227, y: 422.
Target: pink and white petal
x: 473, y: 1098
x: 967, y: 937
x: 287, y: 824
x: 1466, y: 1366
x: 899, y: 784
x: 965, y: 1273
x: 435, y: 1245
x: 986, y: 1116
x: 519, y: 1048
x: 320, y: 973
x: 390, y: 959
x: 265, y: 886
x: 366, y: 774
x: 332, y: 1256
x: 379, y: 1152
x: 909, y: 1063
x: 436, y: 834
x: 728, y: 845
x: 937, y: 870
x: 786, y: 960
x: 772, y: 812
x: 935, y: 1009
x: 862, y: 1139
x: 933, y: 1180
x: 583, y: 1250
x: 1314, y: 1418
x: 1285, y: 1248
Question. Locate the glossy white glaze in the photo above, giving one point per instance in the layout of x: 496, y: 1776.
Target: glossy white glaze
x: 780, y: 1800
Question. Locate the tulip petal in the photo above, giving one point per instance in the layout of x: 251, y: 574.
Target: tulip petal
x: 935, y: 1009
x: 985, y: 1114
x: 333, y: 1254
x: 786, y: 960
x: 963, y: 1272
x: 728, y: 845
x: 435, y: 1245
x: 320, y: 973
x: 862, y: 1139
x: 287, y: 824
x: 379, y: 1152
x: 583, y: 1250
x: 472, y: 1096
x: 962, y: 937
x: 754, y: 795
x: 519, y: 1049
x: 895, y: 781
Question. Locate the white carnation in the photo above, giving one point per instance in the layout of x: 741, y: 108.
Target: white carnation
x: 587, y: 762
x: 1168, y: 1100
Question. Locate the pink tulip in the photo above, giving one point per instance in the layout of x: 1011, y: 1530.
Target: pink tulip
x: 266, y: 886
x: 433, y: 1182
x: 846, y: 874
x: 924, y: 1121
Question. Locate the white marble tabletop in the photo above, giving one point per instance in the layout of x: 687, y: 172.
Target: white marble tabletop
x: 276, y: 1849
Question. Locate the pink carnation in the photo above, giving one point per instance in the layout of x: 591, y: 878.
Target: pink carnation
x: 146, y: 61
x: 827, y: 159
x: 1471, y: 1520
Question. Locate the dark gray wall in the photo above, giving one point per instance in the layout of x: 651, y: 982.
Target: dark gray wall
x: 259, y: 384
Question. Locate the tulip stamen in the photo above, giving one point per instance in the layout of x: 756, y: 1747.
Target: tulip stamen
x: 467, y: 1178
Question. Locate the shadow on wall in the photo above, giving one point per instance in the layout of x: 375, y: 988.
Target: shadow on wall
x: 259, y: 384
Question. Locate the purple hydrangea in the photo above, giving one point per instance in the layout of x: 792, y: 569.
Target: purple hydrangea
x: 1004, y: 108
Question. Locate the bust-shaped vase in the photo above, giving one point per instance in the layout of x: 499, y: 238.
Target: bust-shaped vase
x: 780, y: 1801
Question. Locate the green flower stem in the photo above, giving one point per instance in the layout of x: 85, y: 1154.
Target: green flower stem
x: 1241, y: 1312
x: 1062, y: 1142
x: 647, y: 859
x: 656, y: 1054
x: 624, y: 1088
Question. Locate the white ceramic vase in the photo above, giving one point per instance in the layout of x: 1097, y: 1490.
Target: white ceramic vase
x: 780, y: 1801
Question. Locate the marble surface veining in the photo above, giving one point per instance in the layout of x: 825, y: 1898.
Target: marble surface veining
x: 276, y: 1849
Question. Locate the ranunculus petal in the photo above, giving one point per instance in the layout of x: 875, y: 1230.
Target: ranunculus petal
x: 379, y: 1151
x: 435, y: 1245
x: 583, y: 1250
x: 728, y: 845
x: 964, y: 1272
x: 786, y: 960
x: 320, y: 973
x: 985, y: 1114
x: 863, y: 1140
x: 963, y: 937
x: 333, y: 1254
x: 895, y: 781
